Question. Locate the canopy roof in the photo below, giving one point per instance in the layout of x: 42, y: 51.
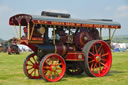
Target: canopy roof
x: 23, y: 19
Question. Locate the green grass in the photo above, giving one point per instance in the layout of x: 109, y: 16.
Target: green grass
x: 11, y: 73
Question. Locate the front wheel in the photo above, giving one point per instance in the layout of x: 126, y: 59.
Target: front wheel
x: 98, y: 58
x: 52, y: 67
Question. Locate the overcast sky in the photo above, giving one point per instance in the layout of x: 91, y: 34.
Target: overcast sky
x: 83, y: 9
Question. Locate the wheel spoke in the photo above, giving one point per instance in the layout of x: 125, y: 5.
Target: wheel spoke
x: 29, y: 65
x: 105, y: 54
x: 55, y: 75
x: 91, y: 61
x: 57, y: 72
x: 47, y: 63
x: 93, y: 48
x: 103, y: 64
x: 94, y: 66
x: 98, y: 70
x: 103, y: 59
x: 49, y: 74
x: 90, y: 57
x: 56, y: 62
x: 48, y: 60
x: 91, y: 53
x: 31, y: 61
x: 38, y: 72
x: 101, y: 51
x: 59, y: 64
x: 32, y: 71
x: 30, y: 68
x: 58, y: 68
x: 99, y: 48
x: 100, y: 67
x: 51, y: 60
x: 34, y: 59
x: 96, y: 49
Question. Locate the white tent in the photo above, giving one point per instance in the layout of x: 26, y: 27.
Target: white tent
x: 24, y: 48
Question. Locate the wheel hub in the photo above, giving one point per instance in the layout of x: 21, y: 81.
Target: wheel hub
x: 85, y: 38
x: 53, y: 68
x: 36, y: 66
x: 98, y: 58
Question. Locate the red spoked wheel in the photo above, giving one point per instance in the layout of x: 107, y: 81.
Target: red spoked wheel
x: 98, y: 58
x: 31, y: 67
x: 52, y: 67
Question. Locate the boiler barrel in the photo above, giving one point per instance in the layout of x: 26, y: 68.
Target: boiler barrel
x: 58, y: 48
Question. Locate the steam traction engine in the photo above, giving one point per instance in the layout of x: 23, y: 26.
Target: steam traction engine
x: 13, y: 47
x: 62, y: 45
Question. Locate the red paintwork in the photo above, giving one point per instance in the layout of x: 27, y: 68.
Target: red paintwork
x: 31, y: 67
x: 74, y: 24
x: 23, y: 19
x: 69, y: 46
x: 105, y: 56
x: 75, y: 56
x: 25, y: 42
x: 47, y: 70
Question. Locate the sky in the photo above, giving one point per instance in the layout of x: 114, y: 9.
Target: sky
x: 117, y: 10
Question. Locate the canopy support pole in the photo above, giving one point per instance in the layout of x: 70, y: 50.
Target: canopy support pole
x: 100, y: 33
x: 32, y: 31
x: 113, y: 34
x: 109, y: 34
x: 19, y: 31
x: 28, y: 31
x: 16, y: 31
x: 54, y: 35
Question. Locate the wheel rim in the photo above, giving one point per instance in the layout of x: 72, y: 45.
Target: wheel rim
x: 99, y: 59
x: 31, y: 67
x: 52, y: 67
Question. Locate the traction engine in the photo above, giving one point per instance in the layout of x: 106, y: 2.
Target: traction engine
x: 12, y: 47
x: 62, y: 45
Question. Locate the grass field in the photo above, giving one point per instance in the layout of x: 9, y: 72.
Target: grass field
x: 11, y: 73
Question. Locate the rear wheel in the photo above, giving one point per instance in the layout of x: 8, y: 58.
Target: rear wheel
x: 31, y: 67
x: 52, y: 67
x: 98, y: 58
